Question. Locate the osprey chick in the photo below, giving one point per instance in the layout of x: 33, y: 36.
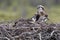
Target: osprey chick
x: 40, y: 12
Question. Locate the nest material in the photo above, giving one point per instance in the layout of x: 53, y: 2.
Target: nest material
x: 23, y: 30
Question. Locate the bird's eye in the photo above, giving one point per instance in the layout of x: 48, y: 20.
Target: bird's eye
x: 42, y: 8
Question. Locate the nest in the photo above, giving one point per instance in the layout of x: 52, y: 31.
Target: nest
x: 23, y: 29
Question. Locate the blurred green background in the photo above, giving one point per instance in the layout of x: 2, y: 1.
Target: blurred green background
x: 14, y: 9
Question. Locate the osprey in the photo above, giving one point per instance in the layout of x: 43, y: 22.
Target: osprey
x: 40, y: 14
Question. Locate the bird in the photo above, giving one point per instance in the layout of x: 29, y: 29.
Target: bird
x: 40, y: 13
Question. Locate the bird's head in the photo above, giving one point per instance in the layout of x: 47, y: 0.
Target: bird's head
x: 40, y: 9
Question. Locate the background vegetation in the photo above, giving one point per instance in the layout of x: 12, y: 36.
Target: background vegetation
x: 13, y: 9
